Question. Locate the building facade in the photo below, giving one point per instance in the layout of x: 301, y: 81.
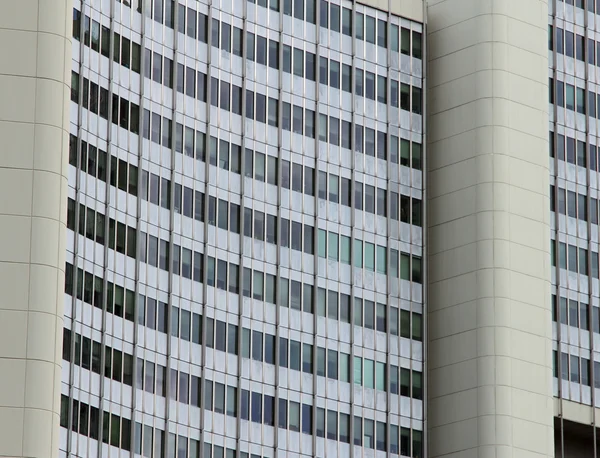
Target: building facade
x: 216, y: 246
x: 489, y: 328
x: 244, y: 261
x: 574, y: 113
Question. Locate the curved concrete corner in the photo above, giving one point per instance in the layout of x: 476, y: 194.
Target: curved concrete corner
x: 489, y: 307
x: 35, y: 64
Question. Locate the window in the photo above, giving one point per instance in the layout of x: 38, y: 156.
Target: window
x: 370, y: 26
x: 347, y: 21
x: 332, y: 304
x: 381, y: 89
x: 332, y: 243
x: 283, y: 352
x: 358, y: 82
x: 323, y: 70
x: 370, y: 85
x: 257, y: 286
x: 270, y: 289
x: 574, y: 369
x: 257, y: 346
x: 369, y: 433
x: 358, y: 370
x: 294, y: 355
x: 307, y: 298
x: 332, y: 425
x: 307, y: 365
x: 381, y: 444
x: 346, y: 78
x: 581, y: 101
x: 417, y: 385
x: 322, y: 243
x: 344, y: 372
x: 320, y: 422
x: 256, y: 407
x: 294, y: 416
x: 369, y: 373
x: 334, y: 74
x: 296, y: 295
x: 323, y: 130
x: 381, y: 33
x: 321, y: 302
x: 358, y: 431
x: 283, y: 296
x: 369, y: 256
x: 246, y: 343
x: 405, y: 41
x: 269, y: 410
x: 245, y: 405
x: 298, y: 63
x: 269, y: 349
x: 570, y: 97
x: 416, y: 45
x: 306, y: 419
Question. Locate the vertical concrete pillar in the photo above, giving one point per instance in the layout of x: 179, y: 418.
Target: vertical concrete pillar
x: 35, y: 65
x: 489, y: 236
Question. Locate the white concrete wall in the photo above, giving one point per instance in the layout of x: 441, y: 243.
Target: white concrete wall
x: 489, y: 359
x: 35, y: 66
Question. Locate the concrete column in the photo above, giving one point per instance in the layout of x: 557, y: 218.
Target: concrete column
x: 35, y: 67
x: 489, y: 306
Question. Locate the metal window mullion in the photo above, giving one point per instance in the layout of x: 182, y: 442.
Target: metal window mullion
x: 557, y: 238
x: 317, y: 131
x: 352, y: 225
x: 389, y: 229
x: 74, y: 299
x: 591, y: 377
x: 557, y: 217
x: 169, y: 387
x: 278, y: 228
x: 424, y: 238
x: 576, y: 141
x: 239, y: 336
x: 194, y: 176
x: 411, y: 246
x: 206, y: 224
x: 139, y: 200
x: 592, y: 374
x: 105, y: 267
x: 587, y: 207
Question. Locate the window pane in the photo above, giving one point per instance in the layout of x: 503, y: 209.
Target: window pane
x: 358, y: 370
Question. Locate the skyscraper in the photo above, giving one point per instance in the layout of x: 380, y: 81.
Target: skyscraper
x: 574, y: 113
x: 299, y: 228
x: 243, y: 262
